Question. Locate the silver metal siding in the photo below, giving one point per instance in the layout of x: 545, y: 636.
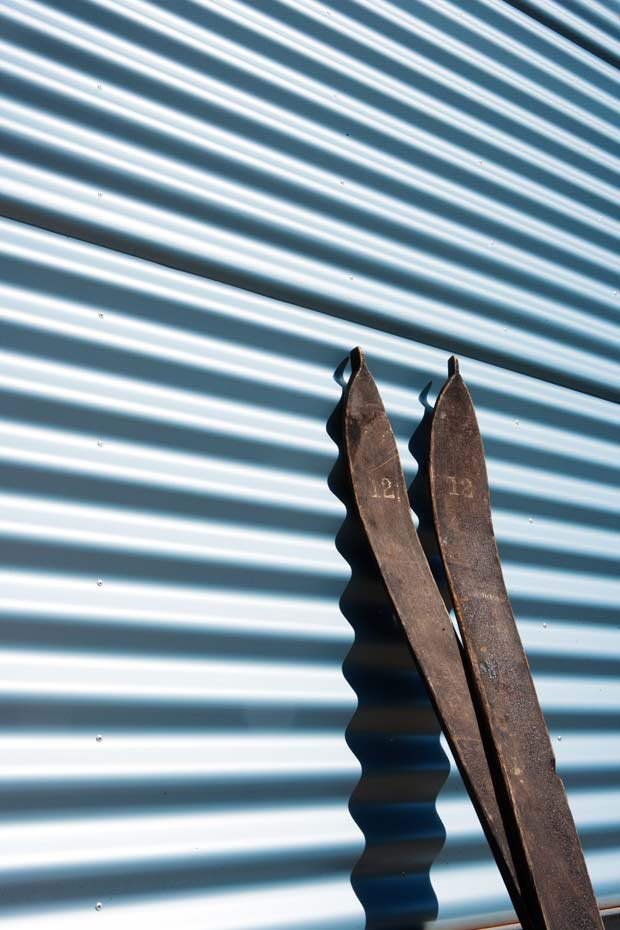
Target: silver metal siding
x: 206, y: 206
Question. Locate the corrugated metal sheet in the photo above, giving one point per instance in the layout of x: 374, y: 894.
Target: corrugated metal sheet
x: 206, y: 205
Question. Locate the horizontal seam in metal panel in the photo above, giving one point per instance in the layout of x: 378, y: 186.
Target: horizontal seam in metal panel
x: 403, y: 331
x: 606, y: 913
x: 562, y: 29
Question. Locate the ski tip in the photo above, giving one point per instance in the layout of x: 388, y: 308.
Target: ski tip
x: 357, y: 359
x: 453, y: 366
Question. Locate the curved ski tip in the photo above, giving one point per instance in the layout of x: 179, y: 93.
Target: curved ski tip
x: 453, y: 366
x: 357, y: 359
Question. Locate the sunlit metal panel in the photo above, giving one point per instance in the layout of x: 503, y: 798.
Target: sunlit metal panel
x: 208, y: 718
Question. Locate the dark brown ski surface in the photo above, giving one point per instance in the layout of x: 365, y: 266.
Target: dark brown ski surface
x: 383, y: 504
x: 552, y: 871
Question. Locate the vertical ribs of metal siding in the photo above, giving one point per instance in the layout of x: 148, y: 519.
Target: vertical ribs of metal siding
x: 205, y: 206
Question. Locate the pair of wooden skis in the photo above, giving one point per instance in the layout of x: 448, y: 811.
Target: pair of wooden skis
x: 482, y: 689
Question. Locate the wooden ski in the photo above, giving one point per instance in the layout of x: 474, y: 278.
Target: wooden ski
x: 383, y: 504
x: 550, y: 865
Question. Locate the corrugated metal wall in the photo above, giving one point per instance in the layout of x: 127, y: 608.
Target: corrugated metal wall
x: 206, y: 205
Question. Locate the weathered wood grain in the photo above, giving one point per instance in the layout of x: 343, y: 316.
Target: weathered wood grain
x: 383, y: 504
x: 546, y: 849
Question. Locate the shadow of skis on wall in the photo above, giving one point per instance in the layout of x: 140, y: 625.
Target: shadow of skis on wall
x: 420, y: 496
x: 394, y: 734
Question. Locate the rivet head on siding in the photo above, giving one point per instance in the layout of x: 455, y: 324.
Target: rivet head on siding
x: 100, y: 443
x: 98, y: 906
x: 99, y: 737
x: 99, y: 582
